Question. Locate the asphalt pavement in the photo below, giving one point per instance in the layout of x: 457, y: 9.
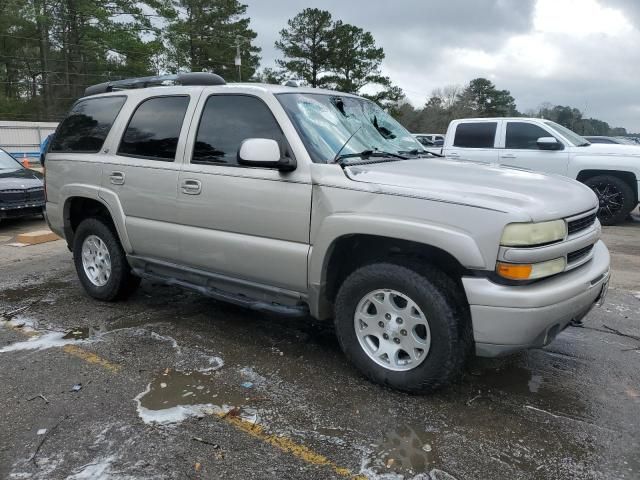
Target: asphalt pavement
x: 170, y: 384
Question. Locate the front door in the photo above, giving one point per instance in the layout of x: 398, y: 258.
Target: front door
x: 246, y: 223
x: 521, y: 149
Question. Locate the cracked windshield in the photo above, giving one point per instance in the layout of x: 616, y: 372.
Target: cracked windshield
x: 327, y: 122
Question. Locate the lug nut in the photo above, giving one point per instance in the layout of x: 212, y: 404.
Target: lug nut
x: 398, y: 320
x: 385, y: 336
x: 381, y: 324
x: 388, y: 316
x: 396, y: 340
x: 403, y: 332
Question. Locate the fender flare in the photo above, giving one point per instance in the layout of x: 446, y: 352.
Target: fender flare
x: 108, y: 199
x: 456, y: 242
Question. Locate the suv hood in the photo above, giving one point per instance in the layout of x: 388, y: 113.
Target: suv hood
x: 18, y: 178
x: 538, y: 196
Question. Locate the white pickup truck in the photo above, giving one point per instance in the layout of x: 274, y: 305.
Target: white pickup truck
x: 611, y: 171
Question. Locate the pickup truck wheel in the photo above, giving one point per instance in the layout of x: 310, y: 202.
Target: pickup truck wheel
x: 401, y: 328
x: 101, y: 263
x: 615, y: 196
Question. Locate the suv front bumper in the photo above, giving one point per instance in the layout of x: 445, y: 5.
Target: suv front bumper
x: 511, y: 318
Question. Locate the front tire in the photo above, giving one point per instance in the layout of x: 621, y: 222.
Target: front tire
x: 403, y: 329
x: 615, y: 196
x: 101, y: 262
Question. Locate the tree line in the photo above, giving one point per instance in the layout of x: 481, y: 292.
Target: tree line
x: 51, y: 50
x: 481, y: 98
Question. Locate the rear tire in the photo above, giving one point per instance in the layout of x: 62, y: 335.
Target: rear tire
x: 101, y: 262
x: 431, y: 296
x: 616, y: 198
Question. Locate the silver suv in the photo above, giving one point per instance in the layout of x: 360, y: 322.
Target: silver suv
x: 302, y: 202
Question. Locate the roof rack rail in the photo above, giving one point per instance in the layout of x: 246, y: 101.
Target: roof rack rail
x: 190, y: 78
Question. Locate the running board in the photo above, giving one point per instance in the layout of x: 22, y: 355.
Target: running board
x: 217, y: 294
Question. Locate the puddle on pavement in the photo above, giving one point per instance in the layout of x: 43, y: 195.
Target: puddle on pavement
x: 406, y: 450
x: 509, y: 379
x: 42, y: 338
x: 175, y: 395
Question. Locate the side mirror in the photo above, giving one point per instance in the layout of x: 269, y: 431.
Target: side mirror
x: 264, y: 153
x: 549, y: 143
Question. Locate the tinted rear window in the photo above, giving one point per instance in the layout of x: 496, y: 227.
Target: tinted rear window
x: 154, y: 129
x: 87, y: 125
x: 475, y: 135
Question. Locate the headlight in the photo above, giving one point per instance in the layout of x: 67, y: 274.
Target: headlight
x: 530, y: 271
x: 531, y: 234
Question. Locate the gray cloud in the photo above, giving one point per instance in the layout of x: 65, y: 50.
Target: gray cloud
x: 430, y: 44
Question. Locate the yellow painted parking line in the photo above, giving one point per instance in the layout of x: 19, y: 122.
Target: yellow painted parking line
x: 282, y: 443
x: 91, y: 357
x: 289, y: 446
x: 75, y: 351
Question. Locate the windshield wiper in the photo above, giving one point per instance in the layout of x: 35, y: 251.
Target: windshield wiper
x: 415, y: 151
x: 367, y: 154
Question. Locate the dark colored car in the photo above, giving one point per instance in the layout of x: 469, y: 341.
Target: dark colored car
x: 21, y: 190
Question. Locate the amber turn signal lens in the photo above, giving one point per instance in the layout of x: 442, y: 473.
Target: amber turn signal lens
x: 514, y: 271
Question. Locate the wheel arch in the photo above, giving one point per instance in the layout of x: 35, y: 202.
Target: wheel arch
x: 347, y: 252
x: 77, y: 208
x: 628, y: 177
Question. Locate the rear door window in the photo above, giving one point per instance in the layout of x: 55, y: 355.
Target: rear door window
x: 524, y: 136
x: 154, y: 129
x: 475, y: 135
x: 87, y: 125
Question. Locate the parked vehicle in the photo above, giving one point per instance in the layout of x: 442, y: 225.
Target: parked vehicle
x: 609, y: 140
x: 611, y: 171
x: 306, y: 201
x: 428, y: 144
x: 436, y: 139
x: 21, y: 190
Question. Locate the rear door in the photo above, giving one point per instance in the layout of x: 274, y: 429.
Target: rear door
x: 141, y: 176
x: 521, y: 148
x: 473, y: 140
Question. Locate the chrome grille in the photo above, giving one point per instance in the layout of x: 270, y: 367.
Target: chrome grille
x: 580, y: 224
x: 578, y: 254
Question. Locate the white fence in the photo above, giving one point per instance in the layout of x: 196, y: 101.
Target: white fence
x: 23, y: 139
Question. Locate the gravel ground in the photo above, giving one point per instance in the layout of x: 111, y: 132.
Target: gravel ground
x: 174, y: 385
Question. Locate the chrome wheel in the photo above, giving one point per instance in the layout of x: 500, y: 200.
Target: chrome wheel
x: 392, y: 330
x: 96, y: 260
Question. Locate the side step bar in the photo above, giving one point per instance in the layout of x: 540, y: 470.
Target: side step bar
x: 216, y: 293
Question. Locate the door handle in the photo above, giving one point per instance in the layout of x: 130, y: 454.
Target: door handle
x: 117, y: 178
x: 508, y: 156
x: 453, y: 155
x: 191, y: 187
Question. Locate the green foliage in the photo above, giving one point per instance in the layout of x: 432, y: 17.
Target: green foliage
x: 305, y: 45
x: 480, y: 98
x: 572, y: 118
x: 51, y: 50
x: 335, y: 55
x: 205, y: 38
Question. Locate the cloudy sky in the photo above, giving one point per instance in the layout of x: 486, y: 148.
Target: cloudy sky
x: 583, y: 53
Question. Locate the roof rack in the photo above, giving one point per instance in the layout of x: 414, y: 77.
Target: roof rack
x: 190, y: 78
